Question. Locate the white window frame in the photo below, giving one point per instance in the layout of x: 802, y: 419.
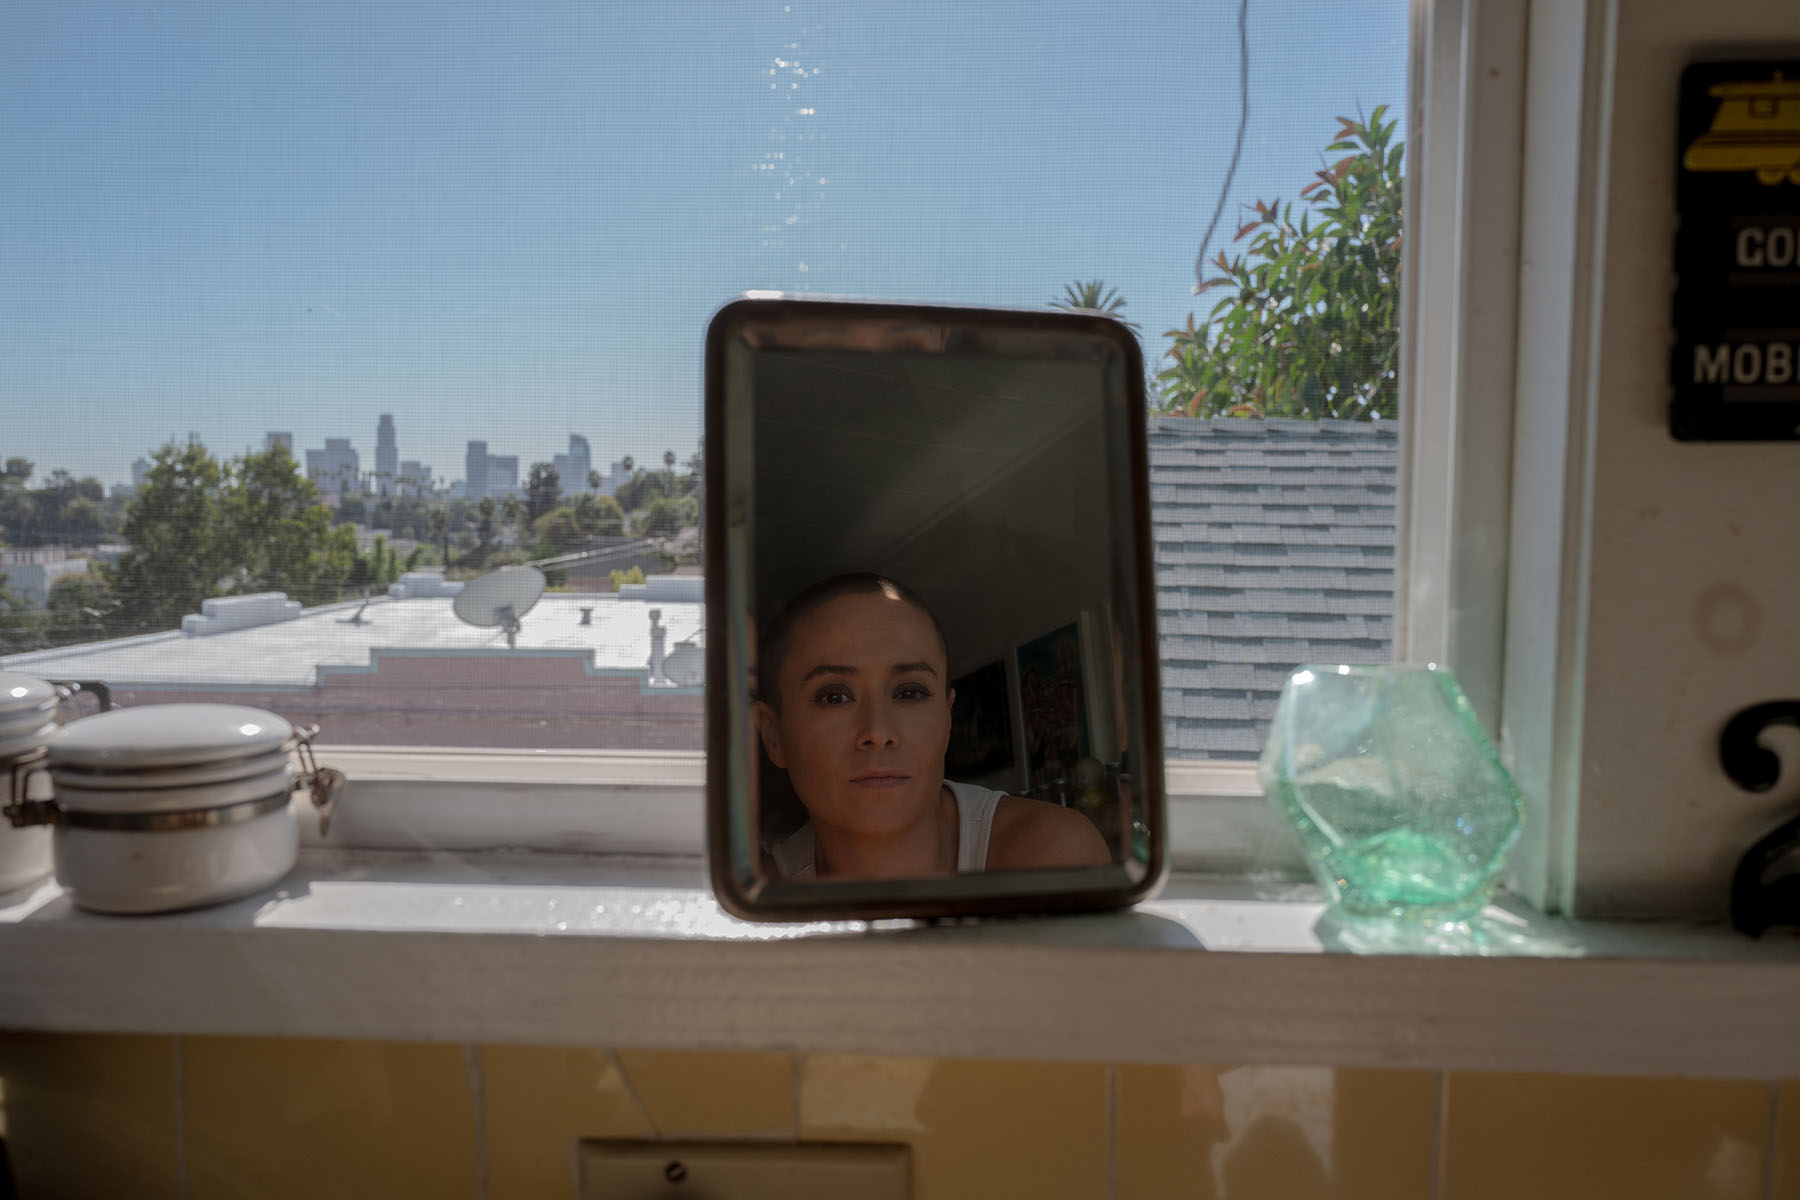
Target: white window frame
x: 1459, y: 307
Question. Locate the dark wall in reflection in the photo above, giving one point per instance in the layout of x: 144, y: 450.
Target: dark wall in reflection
x: 977, y: 480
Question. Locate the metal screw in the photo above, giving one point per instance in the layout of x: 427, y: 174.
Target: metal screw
x: 674, y: 1172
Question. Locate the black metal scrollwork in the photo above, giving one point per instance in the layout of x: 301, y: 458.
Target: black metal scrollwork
x: 1757, y: 901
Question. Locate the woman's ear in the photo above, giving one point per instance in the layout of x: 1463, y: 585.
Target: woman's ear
x: 768, y: 726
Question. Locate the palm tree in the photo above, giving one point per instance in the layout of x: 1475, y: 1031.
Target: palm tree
x: 1095, y: 297
x: 668, y: 460
x: 627, y: 464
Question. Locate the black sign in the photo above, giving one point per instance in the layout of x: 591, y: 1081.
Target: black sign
x: 1736, y: 363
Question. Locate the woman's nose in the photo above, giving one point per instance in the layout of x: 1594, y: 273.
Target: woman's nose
x: 877, y: 732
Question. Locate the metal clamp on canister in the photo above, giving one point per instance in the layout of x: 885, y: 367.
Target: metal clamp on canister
x: 323, y: 784
x: 19, y: 811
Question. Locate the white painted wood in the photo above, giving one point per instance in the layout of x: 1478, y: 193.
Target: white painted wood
x: 644, y: 803
x: 1460, y: 311
x: 577, y: 952
x: 1694, y: 573
x: 1562, y: 239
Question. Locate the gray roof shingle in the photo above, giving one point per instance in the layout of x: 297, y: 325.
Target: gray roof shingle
x: 1274, y: 547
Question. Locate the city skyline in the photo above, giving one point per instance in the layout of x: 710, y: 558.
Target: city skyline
x: 442, y: 481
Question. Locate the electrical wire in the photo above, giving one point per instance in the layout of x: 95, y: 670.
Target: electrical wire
x: 1237, y: 148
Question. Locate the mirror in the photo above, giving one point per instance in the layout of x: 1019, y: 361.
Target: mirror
x: 931, y: 669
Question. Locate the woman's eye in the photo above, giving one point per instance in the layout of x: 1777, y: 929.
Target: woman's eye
x: 912, y: 691
x: 836, y: 694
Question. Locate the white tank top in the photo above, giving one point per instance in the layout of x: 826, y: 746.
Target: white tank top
x: 794, y: 855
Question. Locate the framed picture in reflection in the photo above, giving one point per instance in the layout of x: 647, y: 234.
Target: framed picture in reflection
x: 1053, y: 698
x: 981, y: 729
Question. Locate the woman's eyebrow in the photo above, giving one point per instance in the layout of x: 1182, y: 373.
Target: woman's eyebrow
x: 903, y: 668
x: 829, y: 669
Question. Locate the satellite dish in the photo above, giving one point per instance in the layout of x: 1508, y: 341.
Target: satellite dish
x: 501, y: 598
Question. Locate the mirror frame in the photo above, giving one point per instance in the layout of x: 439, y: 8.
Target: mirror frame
x: 730, y: 742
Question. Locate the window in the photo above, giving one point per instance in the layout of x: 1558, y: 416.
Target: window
x: 322, y: 311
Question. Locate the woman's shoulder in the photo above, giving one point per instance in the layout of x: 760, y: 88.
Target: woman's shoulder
x: 1036, y: 833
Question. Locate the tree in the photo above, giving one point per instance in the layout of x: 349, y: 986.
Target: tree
x: 543, y: 488
x: 81, y: 608
x: 199, y: 528
x: 663, y: 517
x: 274, y: 527
x: 642, y: 489
x: 1309, y: 323
x: 486, y: 527
x: 626, y: 463
x: 181, y: 551
x: 16, y: 503
x: 668, y: 460
x: 512, y: 515
x: 1095, y: 297
x: 619, y: 578
x: 65, y: 511
x: 383, y: 564
x: 559, y: 530
x: 595, y: 479
x: 21, y: 624
x: 598, y: 514
x: 440, y: 532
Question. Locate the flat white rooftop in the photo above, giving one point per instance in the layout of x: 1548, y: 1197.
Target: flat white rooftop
x: 290, y: 653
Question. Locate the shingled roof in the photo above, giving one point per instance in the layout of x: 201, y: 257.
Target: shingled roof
x: 1274, y: 547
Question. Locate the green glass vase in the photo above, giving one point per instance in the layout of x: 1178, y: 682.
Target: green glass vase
x: 1400, y: 800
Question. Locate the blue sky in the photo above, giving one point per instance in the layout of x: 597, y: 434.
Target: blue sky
x: 510, y: 222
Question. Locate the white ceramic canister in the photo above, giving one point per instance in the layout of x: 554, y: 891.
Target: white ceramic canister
x: 173, y: 806
x: 27, y: 723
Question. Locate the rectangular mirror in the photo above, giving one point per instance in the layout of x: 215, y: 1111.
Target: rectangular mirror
x: 931, y: 651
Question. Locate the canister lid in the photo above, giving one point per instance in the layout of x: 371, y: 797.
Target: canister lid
x: 72, y: 797
x: 29, y: 721
x: 168, y: 735
x: 26, y: 741
x: 21, y: 694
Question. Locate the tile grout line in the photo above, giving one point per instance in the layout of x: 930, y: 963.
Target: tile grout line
x: 796, y: 1069
x: 1112, y: 1131
x: 618, y: 1064
x: 181, y: 1180
x: 1440, y: 1132
x: 1771, y: 1139
x: 478, y: 1085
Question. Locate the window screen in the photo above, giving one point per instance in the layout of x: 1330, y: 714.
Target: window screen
x: 313, y: 315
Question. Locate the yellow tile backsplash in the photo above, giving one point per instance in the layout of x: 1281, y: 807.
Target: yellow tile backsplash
x: 1000, y: 1129
x: 167, y: 1118
x: 90, y: 1115
x: 278, y: 1117
x: 538, y: 1101
x: 1301, y: 1132
x: 1384, y: 1130
x: 1553, y: 1137
x: 1787, y: 1145
x: 696, y: 1092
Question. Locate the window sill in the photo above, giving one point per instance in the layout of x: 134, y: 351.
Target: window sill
x: 654, y: 803
x: 567, y: 950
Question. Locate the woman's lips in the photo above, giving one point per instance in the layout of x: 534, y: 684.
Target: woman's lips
x: 880, y: 779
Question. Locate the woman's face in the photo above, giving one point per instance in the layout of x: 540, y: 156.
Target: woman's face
x: 865, y: 714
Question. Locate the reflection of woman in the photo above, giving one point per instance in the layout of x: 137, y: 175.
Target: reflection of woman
x: 855, y: 707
